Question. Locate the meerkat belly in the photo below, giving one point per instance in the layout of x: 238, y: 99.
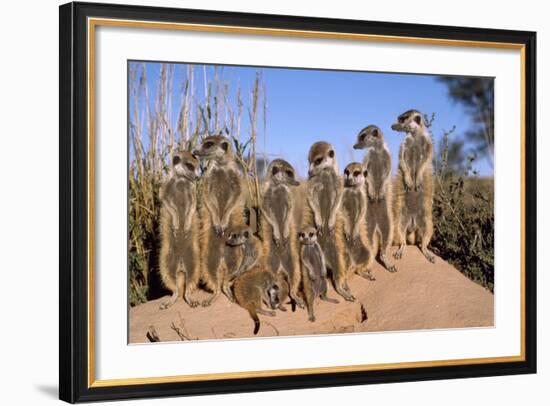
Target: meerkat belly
x: 376, y: 164
x: 282, y: 197
x: 183, y: 199
x: 351, y: 207
x: 233, y: 257
x: 225, y: 186
x: 414, y: 157
x: 327, y: 195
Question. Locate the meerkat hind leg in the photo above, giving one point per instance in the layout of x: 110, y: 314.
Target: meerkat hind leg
x: 180, y: 281
x: 212, y: 298
x: 402, y: 230
x: 323, y: 296
x: 226, y: 289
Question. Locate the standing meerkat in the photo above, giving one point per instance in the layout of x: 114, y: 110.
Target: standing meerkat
x: 377, y: 163
x: 279, y: 238
x: 314, y: 270
x: 324, y: 196
x: 258, y: 288
x: 222, y: 201
x: 414, y: 185
x: 354, y: 211
x: 242, y: 252
x: 179, y: 252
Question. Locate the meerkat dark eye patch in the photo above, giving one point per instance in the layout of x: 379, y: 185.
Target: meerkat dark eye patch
x: 301, y: 235
x: 346, y: 172
x: 245, y: 234
x: 362, y: 137
x: 311, y: 234
x: 418, y: 120
x: 356, y: 173
x: 190, y: 166
x: 331, y: 154
x: 375, y: 133
x: 208, y: 144
x: 275, y: 170
x: 224, y: 146
x: 318, y: 161
x: 176, y: 160
x: 365, y: 173
x: 402, y: 119
x: 290, y: 174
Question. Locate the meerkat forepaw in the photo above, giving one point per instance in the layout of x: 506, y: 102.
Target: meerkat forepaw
x: 311, y: 318
x: 218, y: 230
x: 392, y: 269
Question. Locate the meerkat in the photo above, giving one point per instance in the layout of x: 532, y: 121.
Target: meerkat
x: 258, y: 288
x: 379, y: 219
x: 314, y: 270
x: 324, y: 196
x: 242, y: 252
x: 414, y: 185
x: 179, y: 252
x: 222, y: 201
x: 279, y: 238
x: 354, y: 210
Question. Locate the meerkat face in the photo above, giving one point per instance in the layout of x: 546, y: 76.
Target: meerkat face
x: 308, y: 236
x: 321, y: 156
x: 354, y: 175
x: 185, y: 165
x: 214, y: 147
x: 369, y: 137
x: 273, y: 296
x: 238, y: 236
x: 410, y: 121
x: 280, y: 171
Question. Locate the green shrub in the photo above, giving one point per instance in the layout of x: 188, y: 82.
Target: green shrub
x: 463, y: 216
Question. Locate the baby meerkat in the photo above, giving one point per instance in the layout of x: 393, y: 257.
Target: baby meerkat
x: 354, y: 210
x: 279, y: 237
x: 314, y: 270
x: 179, y: 252
x: 414, y: 185
x: 257, y: 288
x: 324, y: 196
x: 242, y: 252
x: 377, y: 163
x: 222, y: 199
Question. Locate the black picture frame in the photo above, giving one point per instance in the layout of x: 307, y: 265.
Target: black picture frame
x: 74, y: 199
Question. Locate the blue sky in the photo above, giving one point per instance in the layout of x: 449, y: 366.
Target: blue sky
x: 305, y: 106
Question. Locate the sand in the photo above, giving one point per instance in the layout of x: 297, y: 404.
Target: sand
x: 420, y: 295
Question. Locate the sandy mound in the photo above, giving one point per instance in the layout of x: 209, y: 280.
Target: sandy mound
x: 420, y: 295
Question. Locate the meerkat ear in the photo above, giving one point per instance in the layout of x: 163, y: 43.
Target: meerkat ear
x: 418, y: 119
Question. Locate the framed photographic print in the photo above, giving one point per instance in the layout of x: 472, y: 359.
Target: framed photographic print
x: 258, y: 202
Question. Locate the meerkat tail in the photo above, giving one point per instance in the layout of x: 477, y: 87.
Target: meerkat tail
x: 256, y: 320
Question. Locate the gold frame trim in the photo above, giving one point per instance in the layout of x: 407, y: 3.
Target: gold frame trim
x: 94, y: 22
